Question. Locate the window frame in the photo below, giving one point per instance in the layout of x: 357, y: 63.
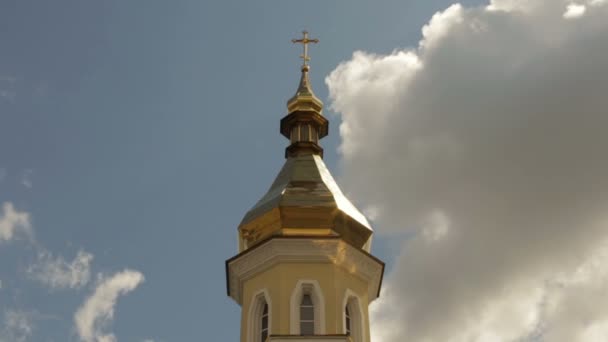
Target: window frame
x: 357, y: 319
x: 312, y: 288
x: 256, y: 314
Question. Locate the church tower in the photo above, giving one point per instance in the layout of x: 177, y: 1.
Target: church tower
x: 304, y: 271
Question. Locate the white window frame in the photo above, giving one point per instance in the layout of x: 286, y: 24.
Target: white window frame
x: 357, y: 321
x: 254, y: 319
x: 312, y: 288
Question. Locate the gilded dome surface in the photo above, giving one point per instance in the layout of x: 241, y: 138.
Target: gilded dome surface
x: 304, y: 199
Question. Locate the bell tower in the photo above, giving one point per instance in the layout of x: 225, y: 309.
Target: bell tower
x: 304, y: 271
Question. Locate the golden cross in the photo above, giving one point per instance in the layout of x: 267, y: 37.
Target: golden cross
x: 305, y: 41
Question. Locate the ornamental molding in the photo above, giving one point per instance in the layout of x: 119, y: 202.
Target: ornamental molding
x: 302, y: 250
x: 326, y: 338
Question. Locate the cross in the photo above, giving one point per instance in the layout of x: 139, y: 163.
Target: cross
x: 305, y: 41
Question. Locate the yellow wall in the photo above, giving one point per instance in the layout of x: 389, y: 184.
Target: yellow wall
x: 281, y: 280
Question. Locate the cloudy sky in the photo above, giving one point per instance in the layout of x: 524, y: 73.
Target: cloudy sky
x: 134, y: 135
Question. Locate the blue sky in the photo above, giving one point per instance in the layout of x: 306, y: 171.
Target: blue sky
x: 134, y: 136
x: 142, y: 131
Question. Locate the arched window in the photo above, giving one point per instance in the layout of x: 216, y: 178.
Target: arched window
x: 307, y: 309
x: 353, y: 317
x: 260, y: 317
x: 264, y: 323
x: 307, y: 316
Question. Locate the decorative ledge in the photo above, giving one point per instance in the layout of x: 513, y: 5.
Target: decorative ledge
x: 299, y: 249
x: 317, y: 338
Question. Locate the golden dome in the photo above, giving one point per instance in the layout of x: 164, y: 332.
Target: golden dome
x: 304, y: 199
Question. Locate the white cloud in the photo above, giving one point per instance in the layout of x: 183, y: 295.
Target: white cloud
x: 574, y: 11
x: 513, y: 5
x: 98, y: 310
x: 18, y: 326
x: 488, y: 142
x: 597, y: 2
x: 57, y: 273
x: 13, y: 222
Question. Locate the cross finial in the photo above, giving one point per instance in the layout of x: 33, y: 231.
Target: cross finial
x: 305, y: 41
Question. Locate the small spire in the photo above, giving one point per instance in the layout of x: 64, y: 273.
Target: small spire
x: 304, y: 124
x: 304, y: 99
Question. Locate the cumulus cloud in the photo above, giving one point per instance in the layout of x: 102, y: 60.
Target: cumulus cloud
x: 597, y: 2
x: 487, y: 142
x: 13, y: 222
x: 98, y: 310
x: 57, y: 273
x: 18, y: 326
x: 574, y: 11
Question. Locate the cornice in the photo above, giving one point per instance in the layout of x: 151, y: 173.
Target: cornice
x: 279, y: 250
x: 316, y: 338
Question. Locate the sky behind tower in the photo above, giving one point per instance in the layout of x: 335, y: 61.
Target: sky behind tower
x: 134, y: 136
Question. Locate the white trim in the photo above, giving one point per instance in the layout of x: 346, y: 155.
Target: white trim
x: 357, y: 319
x: 255, y: 313
x: 311, y: 287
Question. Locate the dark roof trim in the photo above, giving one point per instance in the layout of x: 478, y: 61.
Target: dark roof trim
x: 309, y: 237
